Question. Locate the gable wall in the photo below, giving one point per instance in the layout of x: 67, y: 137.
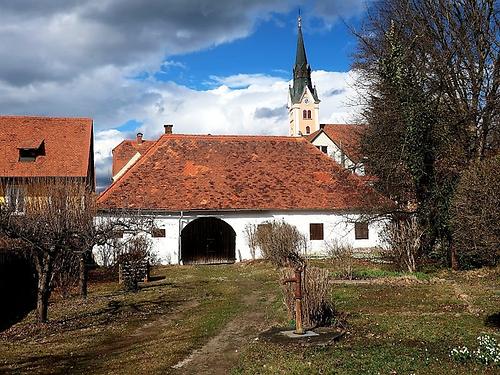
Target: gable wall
x: 335, y: 153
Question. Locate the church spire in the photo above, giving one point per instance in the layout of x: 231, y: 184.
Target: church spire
x: 300, y: 58
x: 301, y: 70
x: 303, y: 102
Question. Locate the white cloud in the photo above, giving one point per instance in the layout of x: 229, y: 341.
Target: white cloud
x: 75, y: 57
x: 239, y: 104
x: 222, y: 110
x: 44, y: 41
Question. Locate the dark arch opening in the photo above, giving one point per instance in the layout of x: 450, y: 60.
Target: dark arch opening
x: 308, y: 130
x: 208, y: 240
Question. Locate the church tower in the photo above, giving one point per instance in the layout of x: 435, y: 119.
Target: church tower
x: 303, y: 102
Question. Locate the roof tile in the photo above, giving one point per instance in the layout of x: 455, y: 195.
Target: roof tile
x: 67, y: 143
x: 196, y: 172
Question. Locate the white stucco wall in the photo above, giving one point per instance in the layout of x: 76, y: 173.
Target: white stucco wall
x: 336, y: 227
x: 335, y: 153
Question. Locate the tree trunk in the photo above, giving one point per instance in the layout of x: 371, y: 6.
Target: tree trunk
x: 455, y: 266
x: 44, y: 277
x: 83, y: 275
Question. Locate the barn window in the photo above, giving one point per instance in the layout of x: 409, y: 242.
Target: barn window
x: 316, y: 231
x: 158, y: 232
x: 324, y: 149
x: 361, y: 231
x: 30, y: 151
x: 309, y: 114
x: 308, y: 130
x: 304, y: 114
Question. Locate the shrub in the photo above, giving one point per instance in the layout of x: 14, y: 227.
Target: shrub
x: 402, y: 240
x: 281, y: 243
x: 475, y: 215
x: 251, y: 235
x: 341, y: 256
x: 135, y: 257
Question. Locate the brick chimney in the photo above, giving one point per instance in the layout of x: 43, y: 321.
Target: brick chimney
x: 139, y: 138
x: 168, y: 128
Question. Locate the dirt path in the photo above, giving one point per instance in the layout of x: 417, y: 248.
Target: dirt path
x: 219, y: 355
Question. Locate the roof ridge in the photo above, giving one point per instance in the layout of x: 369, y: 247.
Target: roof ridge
x: 232, y: 136
x: 46, y: 117
x: 132, y: 140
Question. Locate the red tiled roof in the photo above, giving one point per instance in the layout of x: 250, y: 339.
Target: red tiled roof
x: 345, y: 136
x: 195, y: 172
x: 126, y: 151
x: 67, y: 144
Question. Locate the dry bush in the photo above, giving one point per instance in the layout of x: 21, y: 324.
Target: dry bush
x: 341, y: 256
x: 281, y: 243
x: 317, y: 309
x: 66, y: 272
x: 476, y: 215
x: 402, y: 240
x: 251, y: 235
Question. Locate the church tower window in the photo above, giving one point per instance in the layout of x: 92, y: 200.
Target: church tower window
x: 308, y: 130
x: 304, y: 114
x: 309, y: 114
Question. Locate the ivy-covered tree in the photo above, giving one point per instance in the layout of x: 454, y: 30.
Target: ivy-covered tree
x: 430, y: 72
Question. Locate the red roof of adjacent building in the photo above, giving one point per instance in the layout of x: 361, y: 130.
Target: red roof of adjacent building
x: 204, y: 172
x: 126, y: 151
x: 346, y: 136
x: 67, y: 146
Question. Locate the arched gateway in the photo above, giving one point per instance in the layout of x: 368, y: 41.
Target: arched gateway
x: 208, y: 240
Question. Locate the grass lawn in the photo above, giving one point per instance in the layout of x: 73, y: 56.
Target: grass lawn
x: 205, y: 319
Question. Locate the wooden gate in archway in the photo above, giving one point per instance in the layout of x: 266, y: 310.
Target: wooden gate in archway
x: 208, y: 240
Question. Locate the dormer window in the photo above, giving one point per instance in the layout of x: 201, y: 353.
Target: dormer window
x: 30, y: 151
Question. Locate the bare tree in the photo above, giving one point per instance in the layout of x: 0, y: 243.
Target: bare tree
x: 476, y: 215
x: 102, y: 233
x: 54, y: 220
x: 401, y: 241
x: 48, y: 221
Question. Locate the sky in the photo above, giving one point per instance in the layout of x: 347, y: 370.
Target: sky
x: 218, y: 67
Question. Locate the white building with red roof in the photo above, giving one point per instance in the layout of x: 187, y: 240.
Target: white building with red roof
x: 342, y: 143
x: 204, y: 190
